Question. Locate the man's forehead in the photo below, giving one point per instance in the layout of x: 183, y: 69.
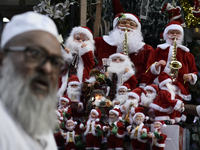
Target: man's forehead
x: 117, y: 57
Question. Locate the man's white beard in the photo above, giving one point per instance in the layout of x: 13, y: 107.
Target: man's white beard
x: 36, y: 116
x: 118, y: 68
x: 75, y: 46
x: 121, y: 98
x: 171, y: 42
x: 70, y: 128
x: 128, y: 103
x: 74, y: 92
x: 138, y: 122
x: 135, y: 40
x: 146, y: 100
x: 171, y: 88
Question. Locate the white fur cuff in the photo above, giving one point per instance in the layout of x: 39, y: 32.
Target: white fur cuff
x: 154, y: 71
x: 194, y: 78
x: 127, y: 75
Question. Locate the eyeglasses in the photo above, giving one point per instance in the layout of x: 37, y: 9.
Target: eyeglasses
x: 124, y: 22
x: 35, y: 57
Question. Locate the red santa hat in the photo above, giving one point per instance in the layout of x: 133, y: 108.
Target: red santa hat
x: 66, y: 99
x: 82, y: 29
x: 164, y: 78
x: 173, y: 25
x: 33, y: 22
x: 162, y: 123
x: 125, y: 86
x: 121, y: 55
x: 74, y: 80
x: 181, y: 90
x: 165, y: 7
x: 137, y: 93
x: 70, y: 120
x: 139, y: 110
x: 152, y: 87
x: 117, y: 112
x: 98, y: 114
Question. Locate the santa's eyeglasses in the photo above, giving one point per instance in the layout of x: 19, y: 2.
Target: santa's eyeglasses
x: 124, y: 22
x: 35, y: 57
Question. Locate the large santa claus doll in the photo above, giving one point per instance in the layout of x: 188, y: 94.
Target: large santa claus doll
x: 162, y: 56
x: 138, y: 51
x: 79, y: 56
x: 121, y: 70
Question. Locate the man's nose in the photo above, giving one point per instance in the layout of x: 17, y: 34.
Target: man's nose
x: 47, y: 67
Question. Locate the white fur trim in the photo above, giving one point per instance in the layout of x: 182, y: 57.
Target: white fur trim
x: 173, y: 27
x: 123, y: 56
x: 95, y: 111
x: 81, y: 30
x: 132, y: 110
x: 65, y: 99
x: 194, y: 77
x: 122, y: 87
x: 134, y: 95
x: 159, y: 108
x: 91, y: 80
x: 63, y: 86
x: 161, y: 84
x: 165, y: 45
x: 121, y: 109
x: 80, y: 69
x: 114, y: 111
x: 175, y: 17
x: 159, y: 118
x: 97, y: 120
x: 81, y: 126
x: 150, y: 88
x: 128, y: 16
x: 74, y: 82
x: 127, y: 75
x: 178, y: 105
x: 120, y: 135
x: 154, y: 71
x: 198, y: 110
x: 142, y: 85
x: 67, y: 56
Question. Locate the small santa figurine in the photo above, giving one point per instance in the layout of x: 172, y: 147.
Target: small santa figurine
x: 64, y: 111
x: 92, y: 130
x: 174, y: 13
x: 157, y: 138
x: 78, y: 55
x: 138, y: 131
x: 72, y: 139
x: 121, y: 95
x: 74, y: 93
x: 196, y: 11
x: 166, y: 102
x: 121, y: 70
x: 114, y: 130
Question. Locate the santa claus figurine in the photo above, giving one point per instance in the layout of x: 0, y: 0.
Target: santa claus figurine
x: 138, y: 51
x: 138, y: 131
x: 79, y: 56
x: 72, y: 139
x: 121, y: 96
x: 162, y: 57
x: 196, y: 11
x: 121, y: 70
x: 174, y: 13
x: 92, y: 130
x: 166, y: 102
x: 64, y: 111
x: 114, y: 130
x: 157, y: 138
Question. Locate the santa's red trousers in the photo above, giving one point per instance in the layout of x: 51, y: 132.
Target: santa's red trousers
x: 114, y: 142
x: 93, y: 141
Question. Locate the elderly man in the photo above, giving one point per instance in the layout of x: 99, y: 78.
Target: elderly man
x: 30, y: 66
x: 162, y: 56
x: 138, y: 51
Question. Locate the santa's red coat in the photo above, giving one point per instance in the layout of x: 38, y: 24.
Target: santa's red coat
x: 183, y: 56
x: 104, y: 50
x: 159, y: 143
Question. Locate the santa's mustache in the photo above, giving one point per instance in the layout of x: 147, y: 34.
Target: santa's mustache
x: 129, y: 29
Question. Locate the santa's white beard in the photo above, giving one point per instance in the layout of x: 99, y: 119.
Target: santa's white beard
x: 121, y: 98
x: 138, y: 122
x: 91, y: 119
x: 70, y: 128
x: 75, y: 46
x: 135, y: 40
x: 97, y: 102
x: 118, y: 68
x: 171, y: 88
x: 74, y: 92
x: 146, y: 100
x: 113, y: 119
x: 171, y: 42
x: 35, y: 115
x: 128, y: 103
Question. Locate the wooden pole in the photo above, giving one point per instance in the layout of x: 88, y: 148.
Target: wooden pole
x: 83, y: 13
x: 97, y: 18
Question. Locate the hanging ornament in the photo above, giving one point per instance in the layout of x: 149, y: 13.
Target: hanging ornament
x: 144, y: 9
x: 173, y: 13
x: 190, y: 19
x: 196, y: 10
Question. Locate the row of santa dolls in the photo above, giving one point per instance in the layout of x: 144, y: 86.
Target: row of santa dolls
x: 91, y: 133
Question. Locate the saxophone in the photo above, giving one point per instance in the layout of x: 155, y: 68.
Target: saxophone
x: 174, y: 64
x: 125, y: 44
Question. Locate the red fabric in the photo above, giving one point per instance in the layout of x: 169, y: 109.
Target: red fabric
x: 159, y: 141
x: 138, y: 145
x: 186, y: 58
x: 93, y: 141
x: 104, y: 50
x: 70, y: 146
x: 114, y: 142
x: 117, y: 7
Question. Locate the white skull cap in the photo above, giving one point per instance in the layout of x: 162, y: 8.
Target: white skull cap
x: 25, y: 22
